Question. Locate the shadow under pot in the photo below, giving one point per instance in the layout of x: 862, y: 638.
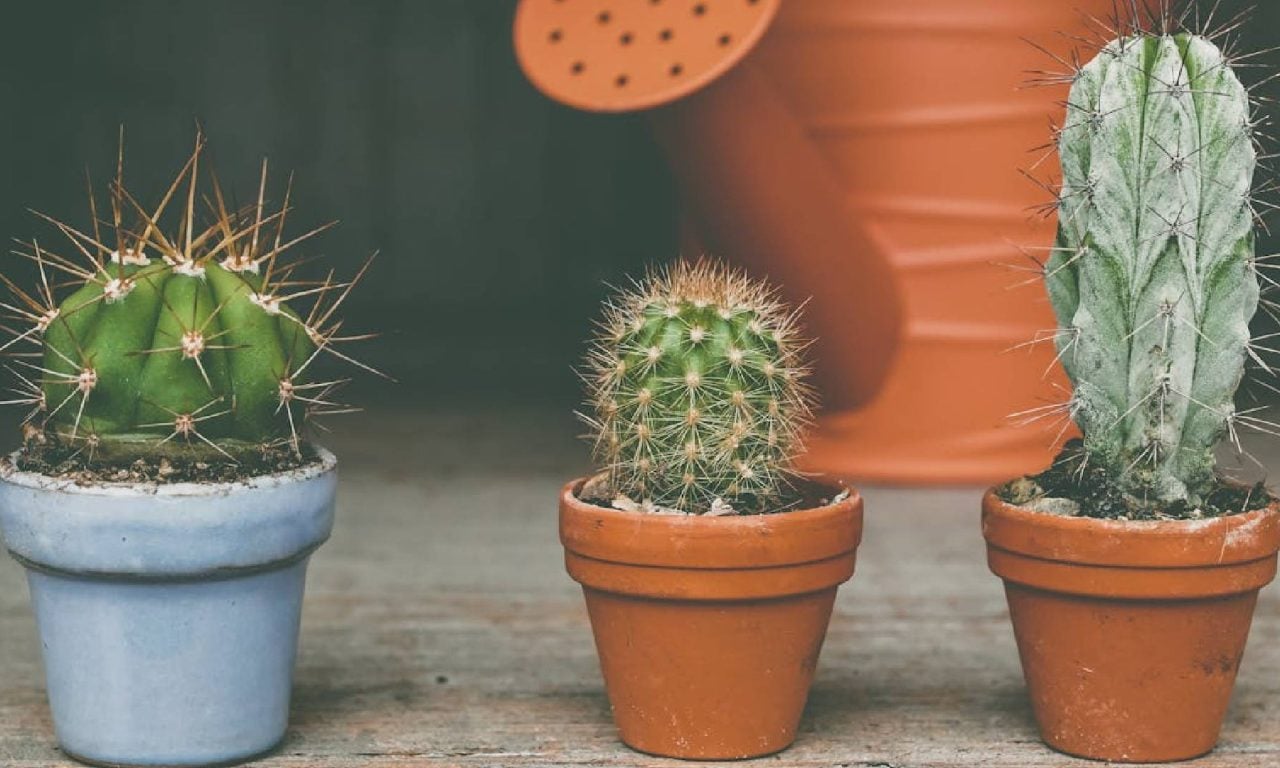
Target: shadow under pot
x: 708, y: 629
x: 1130, y: 632
x: 168, y: 614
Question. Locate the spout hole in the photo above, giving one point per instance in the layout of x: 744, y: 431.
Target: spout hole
x: 724, y: 40
x: 604, y: 17
x: 577, y: 67
x: 699, y: 9
x: 676, y: 70
x: 665, y: 35
x: 621, y: 81
x: 555, y: 36
x: 626, y: 38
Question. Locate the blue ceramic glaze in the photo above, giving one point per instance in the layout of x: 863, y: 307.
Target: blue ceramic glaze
x: 168, y: 614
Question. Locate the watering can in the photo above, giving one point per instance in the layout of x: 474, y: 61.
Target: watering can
x: 865, y: 155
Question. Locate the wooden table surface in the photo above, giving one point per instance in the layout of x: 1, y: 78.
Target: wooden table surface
x: 440, y: 628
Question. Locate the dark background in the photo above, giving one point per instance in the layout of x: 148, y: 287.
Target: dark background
x: 499, y: 214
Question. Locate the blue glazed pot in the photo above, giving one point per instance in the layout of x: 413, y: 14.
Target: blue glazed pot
x: 168, y: 614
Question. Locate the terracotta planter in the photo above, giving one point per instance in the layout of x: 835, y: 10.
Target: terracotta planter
x: 708, y: 629
x: 1130, y: 633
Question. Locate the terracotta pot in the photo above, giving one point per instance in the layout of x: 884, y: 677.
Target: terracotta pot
x: 708, y: 628
x: 1130, y: 633
x: 865, y: 155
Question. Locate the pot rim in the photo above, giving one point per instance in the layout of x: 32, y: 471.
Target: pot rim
x: 699, y: 542
x: 1214, y: 541
x: 167, y: 532
x: 9, y: 473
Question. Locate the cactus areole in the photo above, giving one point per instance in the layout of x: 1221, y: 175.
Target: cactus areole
x: 697, y: 399
x: 183, y: 341
x: 1153, y: 277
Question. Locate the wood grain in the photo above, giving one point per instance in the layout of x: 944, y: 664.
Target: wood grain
x: 440, y: 628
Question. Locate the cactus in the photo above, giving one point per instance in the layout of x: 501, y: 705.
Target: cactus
x: 1152, y: 276
x: 697, y: 392
x: 182, y: 344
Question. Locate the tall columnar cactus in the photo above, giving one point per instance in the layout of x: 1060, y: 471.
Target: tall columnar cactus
x: 696, y: 390
x: 175, y: 343
x: 1152, y: 276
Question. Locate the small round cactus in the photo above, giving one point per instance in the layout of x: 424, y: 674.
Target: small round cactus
x: 178, y: 344
x: 696, y: 391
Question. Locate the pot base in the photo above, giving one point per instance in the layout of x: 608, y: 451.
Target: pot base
x: 708, y: 681
x: 170, y: 673
x: 1129, y: 681
x: 225, y: 764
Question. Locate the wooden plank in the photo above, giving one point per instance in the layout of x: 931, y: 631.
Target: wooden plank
x: 440, y: 628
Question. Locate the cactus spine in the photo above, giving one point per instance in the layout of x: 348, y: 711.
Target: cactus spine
x: 696, y: 390
x: 179, y: 344
x: 1152, y: 275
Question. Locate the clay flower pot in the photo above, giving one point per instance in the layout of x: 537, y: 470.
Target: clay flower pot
x: 1130, y: 633
x: 168, y: 614
x: 709, y: 628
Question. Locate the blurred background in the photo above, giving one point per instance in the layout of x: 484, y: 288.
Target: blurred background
x: 500, y: 215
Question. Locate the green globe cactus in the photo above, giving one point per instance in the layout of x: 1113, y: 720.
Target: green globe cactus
x: 697, y: 392
x: 182, y: 345
x: 1153, y: 277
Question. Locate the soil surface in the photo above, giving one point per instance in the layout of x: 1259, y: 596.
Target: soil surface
x: 1072, y: 487
x: 74, y: 463
x: 802, y: 494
